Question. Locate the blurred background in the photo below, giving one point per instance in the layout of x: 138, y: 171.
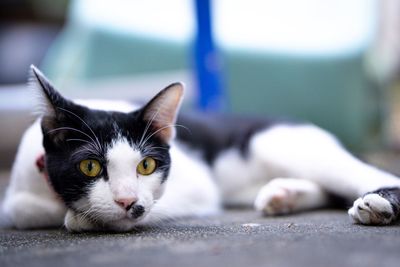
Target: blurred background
x: 332, y: 62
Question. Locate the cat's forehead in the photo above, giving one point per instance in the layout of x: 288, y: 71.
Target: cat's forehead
x: 120, y: 151
x: 110, y: 116
x: 110, y: 122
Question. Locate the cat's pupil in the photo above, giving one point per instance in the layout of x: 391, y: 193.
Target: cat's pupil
x: 90, y: 166
x: 145, y: 164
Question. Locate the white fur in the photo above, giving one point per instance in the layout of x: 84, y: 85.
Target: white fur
x: 286, y: 195
x: 115, y: 105
x: 238, y: 178
x: 122, y: 160
x: 77, y: 223
x: 190, y: 190
x: 308, y: 152
x: 29, y: 202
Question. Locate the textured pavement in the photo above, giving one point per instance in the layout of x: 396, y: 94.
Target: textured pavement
x: 234, y: 238
x: 237, y: 238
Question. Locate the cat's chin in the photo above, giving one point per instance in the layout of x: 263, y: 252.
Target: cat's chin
x: 123, y: 225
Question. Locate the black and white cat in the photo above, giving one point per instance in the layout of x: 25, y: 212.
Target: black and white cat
x: 108, y: 165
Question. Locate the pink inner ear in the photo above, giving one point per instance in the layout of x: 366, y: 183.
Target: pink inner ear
x: 162, y: 111
x: 40, y: 164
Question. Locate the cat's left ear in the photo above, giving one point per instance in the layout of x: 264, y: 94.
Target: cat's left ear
x: 162, y: 110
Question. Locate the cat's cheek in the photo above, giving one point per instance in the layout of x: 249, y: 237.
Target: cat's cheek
x: 151, y: 186
x: 159, y: 191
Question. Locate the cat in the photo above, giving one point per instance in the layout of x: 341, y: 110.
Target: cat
x: 112, y: 166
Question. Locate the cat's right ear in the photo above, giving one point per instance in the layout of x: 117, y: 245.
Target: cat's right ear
x: 51, y: 103
x: 49, y: 98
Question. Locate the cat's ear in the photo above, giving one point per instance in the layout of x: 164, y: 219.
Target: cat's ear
x: 49, y: 98
x: 52, y: 104
x: 162, y: 110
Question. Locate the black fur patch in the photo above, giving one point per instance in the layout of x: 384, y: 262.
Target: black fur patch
x: 214, y: 133
x: 391, y: 194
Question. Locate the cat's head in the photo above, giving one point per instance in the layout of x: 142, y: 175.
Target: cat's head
x: 108, y: 165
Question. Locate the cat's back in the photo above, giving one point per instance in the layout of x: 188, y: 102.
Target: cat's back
x: 213, y: 133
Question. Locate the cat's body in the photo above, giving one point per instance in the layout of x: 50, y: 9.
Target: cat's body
x: 98, y: 166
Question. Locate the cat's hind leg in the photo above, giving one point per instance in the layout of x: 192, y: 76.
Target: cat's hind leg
x: 308, y: 152
x: 287, y: 195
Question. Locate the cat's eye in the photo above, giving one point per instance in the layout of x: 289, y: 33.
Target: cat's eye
x: 147, y: 166
x: 90, y: 167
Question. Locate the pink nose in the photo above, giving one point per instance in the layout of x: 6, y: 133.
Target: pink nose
x: 126, y: 203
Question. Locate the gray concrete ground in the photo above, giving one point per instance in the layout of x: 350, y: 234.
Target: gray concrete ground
x: 234, y: 238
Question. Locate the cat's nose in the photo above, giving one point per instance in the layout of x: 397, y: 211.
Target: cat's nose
x: 126, y: 203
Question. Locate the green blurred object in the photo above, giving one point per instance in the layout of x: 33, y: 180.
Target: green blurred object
x: 333, y: 92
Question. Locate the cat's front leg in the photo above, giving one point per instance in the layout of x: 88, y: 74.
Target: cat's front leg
x: 26, y: 210
x: 77, y: 222
x: 380, y: 207
x: 288, y: 195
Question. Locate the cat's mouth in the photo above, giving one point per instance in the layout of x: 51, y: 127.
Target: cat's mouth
x: 114, y: 215
x: 133, y: 214
x: 128, y: 220
x: 136, y: 212
x: 122, y: 221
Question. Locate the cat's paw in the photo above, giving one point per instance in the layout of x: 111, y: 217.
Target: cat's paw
x: 276, y: 199
x: 75, y: 222
x: 372, y: 209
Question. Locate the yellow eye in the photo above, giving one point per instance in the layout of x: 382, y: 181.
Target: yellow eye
x: 146, y: 166
x: 90, y: 167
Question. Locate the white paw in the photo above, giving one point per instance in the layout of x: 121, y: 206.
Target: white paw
x: 372, y: 209
x: 77, y: 223
x: 276, y: 199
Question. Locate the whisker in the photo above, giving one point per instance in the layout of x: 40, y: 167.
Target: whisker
x: 184, y: 127
x: 90, y: 147
x: 148, y: 126
x: 165, y: 127
x: 77, y: 139
x: 72, y: 129
x: 93, y: 143
x: 157, y: 147
x: 90, y: 129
